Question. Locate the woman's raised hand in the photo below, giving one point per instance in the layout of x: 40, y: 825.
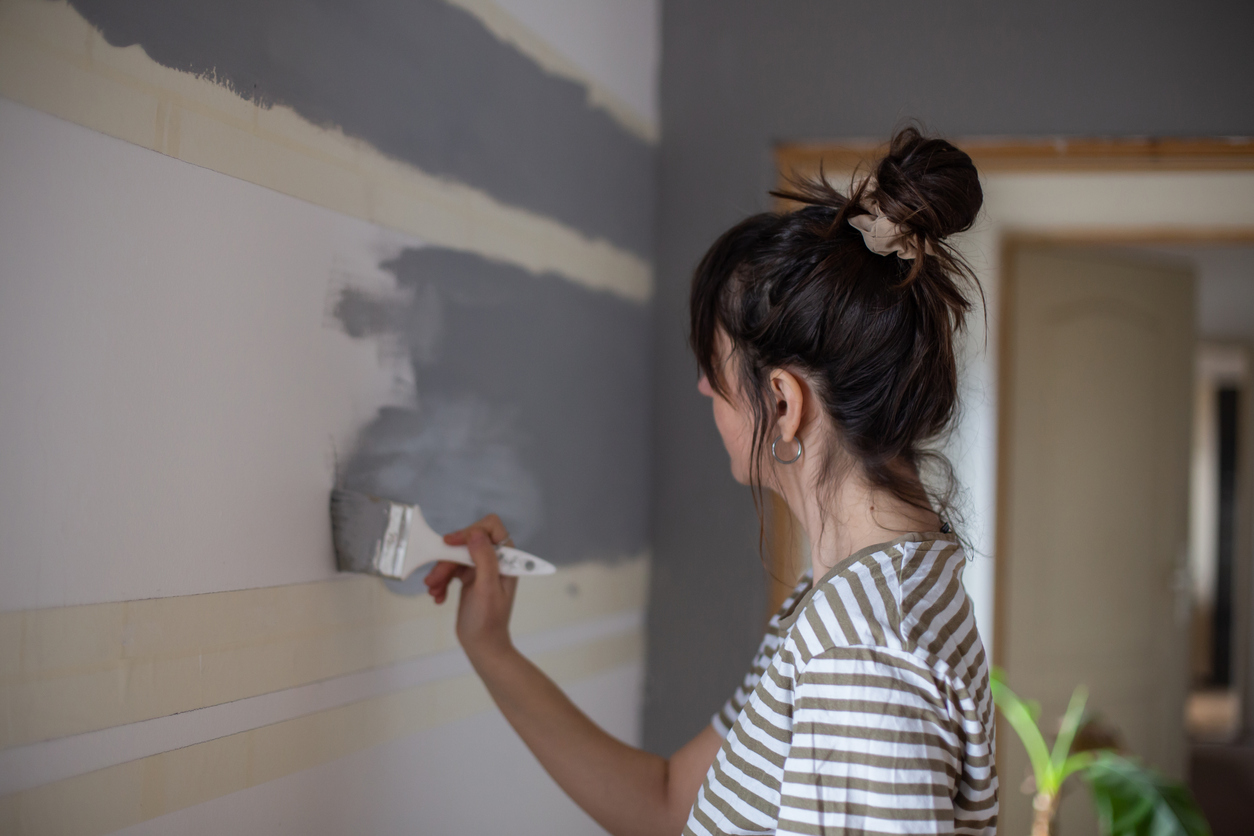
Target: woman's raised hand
x: 487, y: 596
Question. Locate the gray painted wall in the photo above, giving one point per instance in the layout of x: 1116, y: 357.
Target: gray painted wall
x: 739, y: 76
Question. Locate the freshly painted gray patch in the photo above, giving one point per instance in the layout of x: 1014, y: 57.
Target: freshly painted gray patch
x: 453, y: 456
x: 532, y: 403
x: 420, y: 80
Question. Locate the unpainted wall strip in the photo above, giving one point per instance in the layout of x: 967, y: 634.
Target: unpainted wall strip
x: 68, y: 670
x: 119, y: 796
x: 27, y: 767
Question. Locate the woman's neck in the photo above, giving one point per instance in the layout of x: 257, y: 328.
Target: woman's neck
x: 856, y: 517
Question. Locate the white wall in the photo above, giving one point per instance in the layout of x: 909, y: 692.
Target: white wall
x: 167, y: 364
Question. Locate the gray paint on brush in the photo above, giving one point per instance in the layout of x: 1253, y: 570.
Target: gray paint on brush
x: 532, y: 402
x: 359, y: 524
x: 740, y: 76
x: 422, y: 81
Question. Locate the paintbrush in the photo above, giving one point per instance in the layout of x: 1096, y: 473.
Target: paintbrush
x: 376, y: 536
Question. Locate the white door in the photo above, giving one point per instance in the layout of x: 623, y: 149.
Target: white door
x: 1094, y: 503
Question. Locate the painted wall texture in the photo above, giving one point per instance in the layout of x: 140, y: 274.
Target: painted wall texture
x: 252, y: 250
x: 739, y: 77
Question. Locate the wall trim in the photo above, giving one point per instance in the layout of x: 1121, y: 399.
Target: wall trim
x: 996, y: 155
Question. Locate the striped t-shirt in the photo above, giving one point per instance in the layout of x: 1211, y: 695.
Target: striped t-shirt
x: 867, y: 710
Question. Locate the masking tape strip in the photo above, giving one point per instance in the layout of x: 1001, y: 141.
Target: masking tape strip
x: 27, y: 767
x: 119, y: 796
x: 53, y: 60
x: 69, y: 670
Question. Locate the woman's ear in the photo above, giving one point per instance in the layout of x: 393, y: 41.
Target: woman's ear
x: 788, y: 393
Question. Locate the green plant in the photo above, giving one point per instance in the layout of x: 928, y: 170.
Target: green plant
x: 1131, y: 800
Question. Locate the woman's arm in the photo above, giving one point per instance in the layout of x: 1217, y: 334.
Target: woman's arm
x: 626, y: 790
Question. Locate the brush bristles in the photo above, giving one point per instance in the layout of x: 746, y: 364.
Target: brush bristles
x: 358, y: 523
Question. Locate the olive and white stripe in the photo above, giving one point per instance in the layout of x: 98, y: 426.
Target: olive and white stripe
x: 867, y: 709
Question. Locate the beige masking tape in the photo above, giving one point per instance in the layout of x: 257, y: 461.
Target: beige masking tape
x: 66, y: 670
x: 53, y: 60
x: 119, y: 796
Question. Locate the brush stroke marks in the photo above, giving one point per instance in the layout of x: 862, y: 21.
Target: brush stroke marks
x: 532, y: 402
x: 421, y: 81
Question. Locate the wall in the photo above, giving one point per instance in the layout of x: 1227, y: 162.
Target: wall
x: 1225, y: 277
x: 252, y: 249
x: 739, y: 77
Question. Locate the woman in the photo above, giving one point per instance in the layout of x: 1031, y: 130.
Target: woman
x: 825, y: 338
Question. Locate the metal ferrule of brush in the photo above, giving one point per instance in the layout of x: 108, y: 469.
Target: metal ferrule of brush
x: 389, y: 554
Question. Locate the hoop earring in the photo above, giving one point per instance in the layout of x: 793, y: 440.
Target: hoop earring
x: 775, y: 455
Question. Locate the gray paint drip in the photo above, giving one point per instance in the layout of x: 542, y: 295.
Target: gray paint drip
x: 532, y: 402
x: 422, y: 81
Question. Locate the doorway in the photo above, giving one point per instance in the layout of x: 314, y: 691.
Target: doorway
x: 1195, y: 668
x: 1218, y: 543
x: 1097, y: 356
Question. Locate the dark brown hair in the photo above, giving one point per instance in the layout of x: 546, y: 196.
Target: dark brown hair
x: 873, y: 334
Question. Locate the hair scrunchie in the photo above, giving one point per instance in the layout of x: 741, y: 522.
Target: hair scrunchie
x: 882, y: 236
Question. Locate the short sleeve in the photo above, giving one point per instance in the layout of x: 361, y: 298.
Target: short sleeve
x: 771, y: 641
x: 872, y: 748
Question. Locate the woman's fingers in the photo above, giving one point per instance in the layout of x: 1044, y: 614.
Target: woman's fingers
x: 438, y: 579
x: 490, y: 525
x: 441, y: 572
x: 480, y: 538
x: 484, y: 556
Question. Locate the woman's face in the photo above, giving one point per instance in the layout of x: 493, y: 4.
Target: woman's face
x: 733, y: 419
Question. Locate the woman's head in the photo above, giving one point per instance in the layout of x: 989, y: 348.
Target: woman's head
x: 798, y: 298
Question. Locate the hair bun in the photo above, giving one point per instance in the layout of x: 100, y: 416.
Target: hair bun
x: 927, y: 185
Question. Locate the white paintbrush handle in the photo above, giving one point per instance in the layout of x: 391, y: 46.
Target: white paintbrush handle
x: 513, y: 561
x: 518, y: 562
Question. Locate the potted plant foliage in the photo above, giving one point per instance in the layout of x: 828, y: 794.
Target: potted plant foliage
x: 1131, y: 799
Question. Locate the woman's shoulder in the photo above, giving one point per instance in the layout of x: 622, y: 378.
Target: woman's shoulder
x: 792, y: 602
x: 883, y: 596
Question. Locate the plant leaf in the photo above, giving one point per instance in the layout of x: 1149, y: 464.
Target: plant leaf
x: 1066, y: 732
x: 1135, y: 801
x: 1017, y: 713
x: 1074, y: 764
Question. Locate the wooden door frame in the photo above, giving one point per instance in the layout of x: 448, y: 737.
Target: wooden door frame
x: 1063, y: 155
x: 1243, y: 554
x: 993, y: 155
